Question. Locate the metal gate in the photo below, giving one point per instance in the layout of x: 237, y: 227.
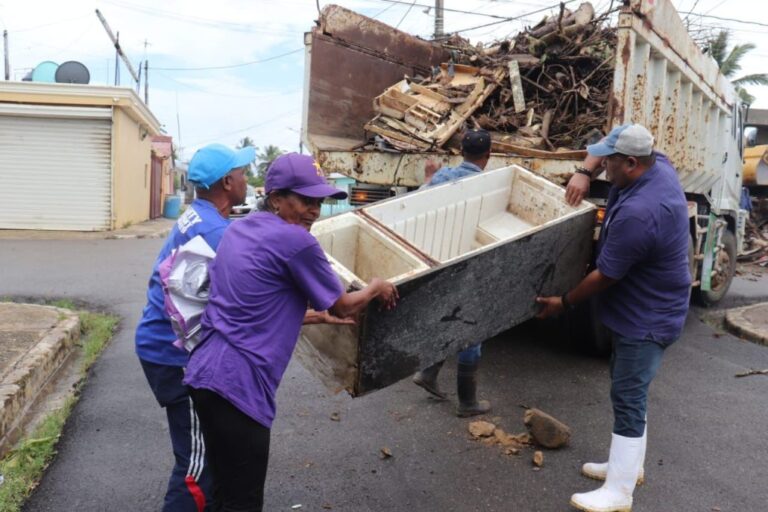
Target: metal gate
x: 55, y: 167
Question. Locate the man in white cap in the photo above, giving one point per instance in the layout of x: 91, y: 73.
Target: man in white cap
x: 642, y: 282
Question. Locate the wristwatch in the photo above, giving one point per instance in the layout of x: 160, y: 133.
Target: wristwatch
x: 583, y: 170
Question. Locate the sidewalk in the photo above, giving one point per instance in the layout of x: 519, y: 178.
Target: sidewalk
x: 156, y: 228
x: 36, y: 341
x: 750, y: 322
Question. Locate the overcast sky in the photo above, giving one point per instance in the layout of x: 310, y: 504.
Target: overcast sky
x: 263, y: 100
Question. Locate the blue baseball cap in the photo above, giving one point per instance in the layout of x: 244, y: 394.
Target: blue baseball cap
x: 214, y: 161
x: 300, y: 174
x: 627, y: 139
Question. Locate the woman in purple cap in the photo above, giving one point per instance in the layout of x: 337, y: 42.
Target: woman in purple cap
x: 267, y: 269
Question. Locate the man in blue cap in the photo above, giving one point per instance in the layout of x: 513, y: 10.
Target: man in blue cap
x: 476, y: 150
x: 219, y: 176
x: 642, y: 281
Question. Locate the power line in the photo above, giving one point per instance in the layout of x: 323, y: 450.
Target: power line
x: 513, y: 18
x: 222, y: 95
x: 257, y: 125
x: 60, y: 22
x: 232, y: 66
x: 195, y: 20
x: 745, y: 22
x: 414, y: 4
x: 406, y: 14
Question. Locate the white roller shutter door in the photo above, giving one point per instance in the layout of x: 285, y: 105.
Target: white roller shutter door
x: 55, y: 167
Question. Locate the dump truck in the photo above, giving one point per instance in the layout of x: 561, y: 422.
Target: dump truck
x: 661, y: 80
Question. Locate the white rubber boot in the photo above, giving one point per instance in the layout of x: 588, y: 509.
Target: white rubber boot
x: 623, y: 467
x: 598, y: 470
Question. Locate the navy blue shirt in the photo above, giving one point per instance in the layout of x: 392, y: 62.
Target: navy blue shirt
x: 154, y: 335
x: 644, y: 246
x: 447, y: 174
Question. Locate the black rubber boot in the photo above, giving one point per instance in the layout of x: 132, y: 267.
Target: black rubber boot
x: 427, y: 379
x: 466, y: 384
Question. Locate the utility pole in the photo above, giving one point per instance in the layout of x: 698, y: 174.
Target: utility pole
x: 119, y: 50
x: 7, y: 60
x: 146, y: 82
x: 439, y: 18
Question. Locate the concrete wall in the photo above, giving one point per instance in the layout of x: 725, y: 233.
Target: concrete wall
x: 131, y: 160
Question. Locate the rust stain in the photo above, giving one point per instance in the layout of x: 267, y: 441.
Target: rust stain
x: 626, y: 52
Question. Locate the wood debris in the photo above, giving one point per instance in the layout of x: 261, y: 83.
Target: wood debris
x: 547, y: 89
x: 538, y: 459
x: 756, y: 234
x: 752, y: 372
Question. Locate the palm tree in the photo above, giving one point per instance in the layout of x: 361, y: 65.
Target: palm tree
x: 265, y: 158
x: 244, y: 143
x: 728, y: 61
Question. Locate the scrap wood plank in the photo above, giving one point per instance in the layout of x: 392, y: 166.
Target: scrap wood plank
x: 517, y: 86
x: 392, y: 129
x: 457, y: 121
x: 505, y: 147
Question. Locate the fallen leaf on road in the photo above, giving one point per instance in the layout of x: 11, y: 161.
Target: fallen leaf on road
x: 481, y: 428
x: 538, y: 459
x: 512, y: 451
x: 385, y: 453
x: 335, y: 416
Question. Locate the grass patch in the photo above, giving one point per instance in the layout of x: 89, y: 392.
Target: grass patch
x: 23, y: 466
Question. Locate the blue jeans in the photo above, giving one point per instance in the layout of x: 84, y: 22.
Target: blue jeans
x: 634, y: 363
x: 470, y: 355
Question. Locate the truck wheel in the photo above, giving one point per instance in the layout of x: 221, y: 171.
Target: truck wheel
x: 726, y: 268
x: 584, y: 329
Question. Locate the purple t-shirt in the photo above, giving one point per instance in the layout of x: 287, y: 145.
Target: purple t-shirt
x: 644, y: 245
x: 265, y: 273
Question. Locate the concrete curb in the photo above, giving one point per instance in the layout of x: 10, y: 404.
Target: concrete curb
x: 31, y: 372
x: 135, y: 236
x: 738, y: 323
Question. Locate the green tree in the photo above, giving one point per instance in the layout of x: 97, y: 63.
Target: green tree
x: 729, y: 62
x: 244, y: 143
x: 263, y: 161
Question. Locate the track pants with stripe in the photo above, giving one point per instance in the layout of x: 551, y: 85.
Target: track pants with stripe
x: 190, y: 482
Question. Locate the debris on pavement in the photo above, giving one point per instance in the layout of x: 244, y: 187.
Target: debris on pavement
x: 481, y: 429
x: 545, y: 430
x: 490, y: 435
x: 751, y: 372
x: 538, y: 458
x: 755, y: 249
x: 335, y: 416
x: 385, y: 453
x: 546, y: 89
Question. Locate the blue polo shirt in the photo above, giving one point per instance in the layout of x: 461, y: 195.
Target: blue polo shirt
x: 644, y: 246
x: 446, y: 174
x: 154, y: 335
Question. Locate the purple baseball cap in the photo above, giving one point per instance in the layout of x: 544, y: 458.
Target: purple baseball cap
x: 300, y: 174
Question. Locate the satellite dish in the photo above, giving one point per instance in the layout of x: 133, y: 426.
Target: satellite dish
x: 73, y: 72
x: 45, y: 72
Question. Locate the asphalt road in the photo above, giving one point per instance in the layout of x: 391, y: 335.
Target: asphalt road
x: 707, y: 430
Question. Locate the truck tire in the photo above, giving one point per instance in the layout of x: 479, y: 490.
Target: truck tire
x: 585, y: 330
x: 726, y: 260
